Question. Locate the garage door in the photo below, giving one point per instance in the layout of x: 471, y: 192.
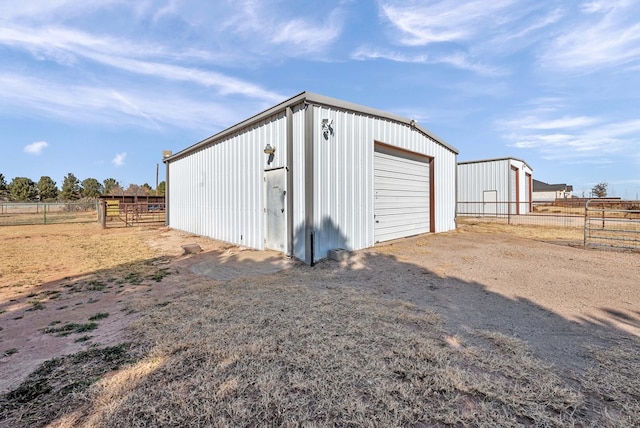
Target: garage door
x: 402, y: 193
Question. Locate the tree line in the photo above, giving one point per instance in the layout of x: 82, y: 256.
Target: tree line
x: 23, y: 189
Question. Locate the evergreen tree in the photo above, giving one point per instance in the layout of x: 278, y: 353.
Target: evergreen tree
x: 91, y: 188
x: 70, y: 188
x: 109, y: 185
x: 162, y: 188
x: 47, y: 189
x: 23, y: 189
x: 4, y: 191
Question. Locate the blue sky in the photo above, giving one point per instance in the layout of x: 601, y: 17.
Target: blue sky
x: 101, y: 88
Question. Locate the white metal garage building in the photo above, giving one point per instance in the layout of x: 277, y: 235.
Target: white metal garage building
x: 494, y: 187
x: 314, y: 174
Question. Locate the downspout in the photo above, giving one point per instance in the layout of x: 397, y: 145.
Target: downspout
x: 290, y: 231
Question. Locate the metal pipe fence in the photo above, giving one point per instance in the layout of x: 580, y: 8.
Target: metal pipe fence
x: 13, y: 213
x: 522, y: 213
x: 612, y: 224
x: 115, y: 213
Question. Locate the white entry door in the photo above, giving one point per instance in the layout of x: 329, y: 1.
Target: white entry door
x: 490, y: 202
x: 275, y: 215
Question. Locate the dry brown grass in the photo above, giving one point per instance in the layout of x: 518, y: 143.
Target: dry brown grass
x: 554, y: 209
x: 67, y: 250
x: 614, y: 381
x: 286, y: 353
x: 541, y: 233
x: 301, y: 348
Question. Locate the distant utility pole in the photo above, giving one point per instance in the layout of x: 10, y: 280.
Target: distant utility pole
x: 157, y: 166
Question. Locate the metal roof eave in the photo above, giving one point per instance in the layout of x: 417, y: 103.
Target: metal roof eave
x: 495, y: 160
x: 307, y: 98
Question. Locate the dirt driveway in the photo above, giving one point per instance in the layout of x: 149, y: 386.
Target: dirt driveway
x: 557, y: 298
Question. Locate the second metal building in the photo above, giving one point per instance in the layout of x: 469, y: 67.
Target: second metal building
x: 314, y: 174
x: 490, y: 187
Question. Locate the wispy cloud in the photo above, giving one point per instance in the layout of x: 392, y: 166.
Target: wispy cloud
x: 50, y: 40
x: 570, y: 138
x: 266, y: 25
x: 472, y: 35
x: 66, y: 46
x: 534, y: 122
x: 119, y: 159
x: 364, y: 53
x: 606, y: 34
x: 36, y: 148
x: 514, y: 33
x: 50, y: 9
x: 307, y: 36
x: 424, y: 22
x: 458, y: 60
x: 116, y: 105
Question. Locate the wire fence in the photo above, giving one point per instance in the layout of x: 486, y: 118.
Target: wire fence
x: 47, y: 213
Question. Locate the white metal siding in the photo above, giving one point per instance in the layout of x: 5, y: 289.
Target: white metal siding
x: 401, y: 188
x: 343, y: 174
x: 218, y: 190
x: 545, y: 196
x: 477, y: 177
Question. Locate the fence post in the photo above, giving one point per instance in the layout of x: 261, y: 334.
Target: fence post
x: 44, y: 210
x: 103, y: 214
x: 586, y: 221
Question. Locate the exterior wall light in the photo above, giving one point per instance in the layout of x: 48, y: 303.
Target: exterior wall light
x: 268, y: 150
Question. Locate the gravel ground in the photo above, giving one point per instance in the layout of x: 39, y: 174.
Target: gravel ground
x: 558, y: 298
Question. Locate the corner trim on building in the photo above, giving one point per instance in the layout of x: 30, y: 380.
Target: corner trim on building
x: 309, y: 193
x: 290, y: 168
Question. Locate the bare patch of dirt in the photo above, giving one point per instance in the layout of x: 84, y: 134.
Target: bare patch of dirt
x: 556, y: 297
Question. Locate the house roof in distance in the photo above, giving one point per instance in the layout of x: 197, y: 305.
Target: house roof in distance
x: 540, y: 186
